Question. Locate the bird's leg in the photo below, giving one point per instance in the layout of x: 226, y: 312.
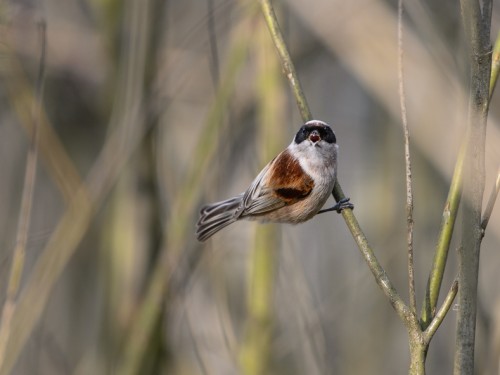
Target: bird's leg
x: 341, y: 205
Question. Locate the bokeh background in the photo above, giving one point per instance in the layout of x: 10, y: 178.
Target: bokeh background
x: 161, y: 106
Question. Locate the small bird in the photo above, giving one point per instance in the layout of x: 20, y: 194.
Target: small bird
x: 291, y: 188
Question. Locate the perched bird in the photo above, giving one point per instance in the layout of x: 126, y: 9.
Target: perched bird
x: 292, y: 188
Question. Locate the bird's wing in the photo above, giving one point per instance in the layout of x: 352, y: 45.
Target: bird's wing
x: 257, y: 199
x: 282, y: 182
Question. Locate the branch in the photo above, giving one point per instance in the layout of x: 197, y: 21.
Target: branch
x: 409, y: 191
x: 477, y: 29
x: 19, y: 255
x: 438, y: 319
x: 378, y: 272
x: 286, y: 60
x: 444, y: 238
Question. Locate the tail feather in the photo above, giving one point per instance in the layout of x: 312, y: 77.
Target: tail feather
x: 217, y: 216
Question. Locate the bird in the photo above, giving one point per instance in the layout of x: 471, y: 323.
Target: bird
x: 291, y: 188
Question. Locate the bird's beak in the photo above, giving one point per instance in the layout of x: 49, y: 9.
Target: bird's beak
x: 314, y: 136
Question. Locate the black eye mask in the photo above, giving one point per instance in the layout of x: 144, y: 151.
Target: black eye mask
x: 325, y: 132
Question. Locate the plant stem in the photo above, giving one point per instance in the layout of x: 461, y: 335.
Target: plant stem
x: 256, y: 348
x: 378, y: 272
x: 409, y: 190
x: 444, y: 238
x: 286, y: 60
x: 418, y: 352
x: 477, y: 22
x: 23, y: 225
x: 439, y: 317
x: 182, y: 211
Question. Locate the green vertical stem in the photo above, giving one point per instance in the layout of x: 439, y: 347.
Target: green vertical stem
x: 256, y: 347
x: 444, y: 238
x: 179, y: 224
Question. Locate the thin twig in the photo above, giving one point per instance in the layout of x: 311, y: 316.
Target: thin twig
x: 444, y: 239
x: 377, y: 270
x: 30, y: 174
x: 491, y: 203
x: 409, y: 192
x: 286, y: 60
x: 212, y: 38
x: 438, y: 319
x: 19, y: 254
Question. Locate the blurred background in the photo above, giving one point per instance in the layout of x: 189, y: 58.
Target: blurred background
x: 161, y: 106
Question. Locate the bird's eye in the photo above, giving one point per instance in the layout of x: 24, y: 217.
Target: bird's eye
x: 301, y: 135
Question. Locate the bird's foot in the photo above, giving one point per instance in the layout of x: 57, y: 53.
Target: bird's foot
x: 341, y: 205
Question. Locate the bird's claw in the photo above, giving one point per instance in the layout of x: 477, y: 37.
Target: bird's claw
x: 341, y: 205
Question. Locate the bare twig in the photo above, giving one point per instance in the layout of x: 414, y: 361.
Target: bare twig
x: 286, y: 60
x: 444, y: 238
x: 439, y: 317
x: 491, y: 203
x: 409, y: 192
x: 19, y: 255
x: 378, y: 272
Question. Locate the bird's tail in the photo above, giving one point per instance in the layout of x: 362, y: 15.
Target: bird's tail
x: 216, y: 216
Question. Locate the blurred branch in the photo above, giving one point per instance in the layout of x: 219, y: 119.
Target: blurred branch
x: 127, y: 131
x: 409, y: 191
x: 19, y: 255
x: 256, y: 347
x: 52, y: 152
x: 214, y: 53
x: 477, y: 24
x: 179, y: 223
